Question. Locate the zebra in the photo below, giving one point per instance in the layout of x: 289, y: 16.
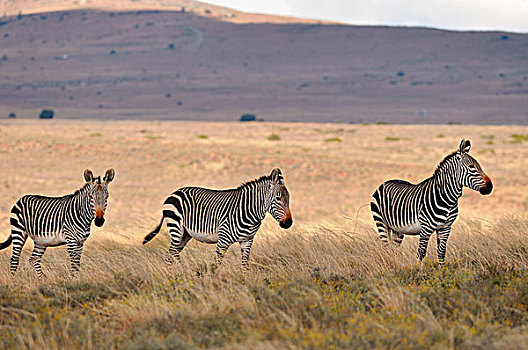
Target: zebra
x: 401, y: 208
x: 223, y: 217
x: 55, y: 221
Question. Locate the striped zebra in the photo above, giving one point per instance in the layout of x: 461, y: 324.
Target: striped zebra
x: 400, y: 208
x: 224, y: 217
x: 55, y: 221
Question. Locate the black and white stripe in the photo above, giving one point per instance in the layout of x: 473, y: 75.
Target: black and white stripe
x: 55, y: 221
x: 224, y: 217
x: 400, y: 208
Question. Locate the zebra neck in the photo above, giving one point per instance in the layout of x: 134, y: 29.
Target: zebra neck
x: 253, y: 200
x: 448, y: 186
x: 82, y: 205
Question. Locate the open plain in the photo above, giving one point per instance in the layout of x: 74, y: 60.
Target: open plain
x: 325, y: 283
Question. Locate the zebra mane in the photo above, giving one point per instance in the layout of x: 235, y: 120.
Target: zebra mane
x: 446, y: 160
x: 82, y: 189
x: 253, y: 182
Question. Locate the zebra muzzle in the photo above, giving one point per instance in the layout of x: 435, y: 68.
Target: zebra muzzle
x: 99, y: 221
x: 487, y: 188
x: 286, y: 223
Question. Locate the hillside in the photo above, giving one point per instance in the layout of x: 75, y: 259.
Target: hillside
x: 15, y: 8
x: 144, y: 60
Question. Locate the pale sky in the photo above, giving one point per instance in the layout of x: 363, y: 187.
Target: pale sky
x: 505, y: 15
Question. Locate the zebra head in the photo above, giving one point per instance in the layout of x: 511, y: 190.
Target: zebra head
x: 98, y: 193
x: 470, y: 171
x: 279, y: 200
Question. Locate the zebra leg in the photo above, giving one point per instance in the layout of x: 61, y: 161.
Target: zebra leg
x: 245, y: 247
x: 176, y: 248
x: 383, y: 229
x: 441, y: 238
x: 35, y: 258
x: 178, y: 240
x: 19, y: 239
x: 75, y: 251
x: 397, y: 237
x: 425, y: 234
x: 221, y: 249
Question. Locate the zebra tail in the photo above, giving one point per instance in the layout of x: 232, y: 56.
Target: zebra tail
x: 7, y: 243
x: 153, y: 233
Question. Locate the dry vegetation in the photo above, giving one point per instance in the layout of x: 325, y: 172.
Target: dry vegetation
x: 327, y: 282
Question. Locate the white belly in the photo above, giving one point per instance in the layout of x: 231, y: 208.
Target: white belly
x: 412, y: 229
x: 204, y: 237
x: 49, y: 241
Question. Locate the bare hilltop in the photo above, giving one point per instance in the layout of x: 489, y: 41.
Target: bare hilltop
x: 187, y: 60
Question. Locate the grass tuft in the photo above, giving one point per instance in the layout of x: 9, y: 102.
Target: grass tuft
x: 518, y: 138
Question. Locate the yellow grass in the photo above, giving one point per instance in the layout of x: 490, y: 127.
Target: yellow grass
x: 326, y: 282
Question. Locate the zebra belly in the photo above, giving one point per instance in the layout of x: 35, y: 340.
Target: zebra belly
x: 49, y: 240
x: 204, y: 237
x: 410, y: 229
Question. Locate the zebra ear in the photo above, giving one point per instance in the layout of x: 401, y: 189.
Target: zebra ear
x: 88, y: 175
x: 276, y: 176
x: 465, y: 145
x: 109, y: 175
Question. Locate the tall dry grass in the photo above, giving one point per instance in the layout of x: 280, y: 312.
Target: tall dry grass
x: 313, y: 287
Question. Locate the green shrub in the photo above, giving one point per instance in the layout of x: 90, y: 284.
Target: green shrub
x: 518, y: 138
x: 274, y: 137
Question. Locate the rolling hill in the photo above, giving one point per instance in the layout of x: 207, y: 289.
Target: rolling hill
x: 187, y: 60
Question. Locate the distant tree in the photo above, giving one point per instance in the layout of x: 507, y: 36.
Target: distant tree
x: 47, y: 114
x: 248, y: 117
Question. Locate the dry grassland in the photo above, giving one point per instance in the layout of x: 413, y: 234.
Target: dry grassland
x: 325, y: 283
